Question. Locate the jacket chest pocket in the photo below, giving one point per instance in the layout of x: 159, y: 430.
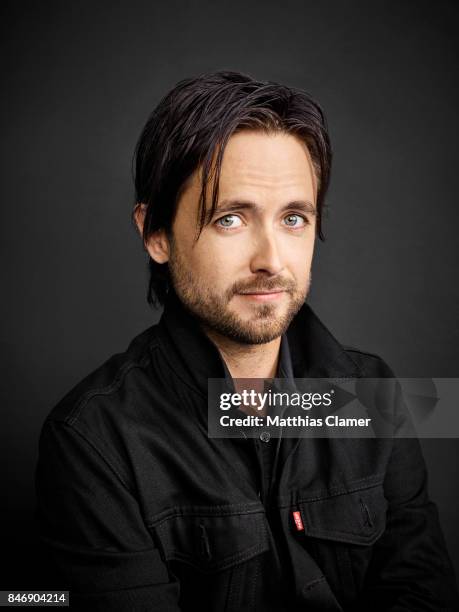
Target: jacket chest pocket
x: 215, y: 558
x: 340, y: 532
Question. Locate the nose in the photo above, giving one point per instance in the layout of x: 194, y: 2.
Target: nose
x: 266, y: 256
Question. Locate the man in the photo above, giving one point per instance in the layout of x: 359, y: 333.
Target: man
x: 138, y: 508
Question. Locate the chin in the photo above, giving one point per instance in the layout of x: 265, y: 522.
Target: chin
x: 254, y: 338
x: 258, y: 332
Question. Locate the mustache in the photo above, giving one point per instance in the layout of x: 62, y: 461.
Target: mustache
x: 262, y: 284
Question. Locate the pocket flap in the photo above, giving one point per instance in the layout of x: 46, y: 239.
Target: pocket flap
x: 213, y: 543
x: 355, y: 518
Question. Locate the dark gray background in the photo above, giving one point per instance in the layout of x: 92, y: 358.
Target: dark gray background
x: 79, y: 80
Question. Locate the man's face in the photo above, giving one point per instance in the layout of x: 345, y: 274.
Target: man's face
x: 249, y: 272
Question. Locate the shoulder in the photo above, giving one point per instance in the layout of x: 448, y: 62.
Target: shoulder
x: 105, y: 385
x: 93, y: 422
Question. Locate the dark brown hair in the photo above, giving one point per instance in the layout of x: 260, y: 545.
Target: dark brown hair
x: 190, y: 128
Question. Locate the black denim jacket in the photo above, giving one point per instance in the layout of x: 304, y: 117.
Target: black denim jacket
x: 138, y: 509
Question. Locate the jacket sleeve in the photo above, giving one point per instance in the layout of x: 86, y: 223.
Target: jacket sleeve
x: 91, y: 530
x: 410, y: 568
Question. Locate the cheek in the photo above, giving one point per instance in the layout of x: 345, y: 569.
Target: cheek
x: 299, y: 256
x: 213, y: 268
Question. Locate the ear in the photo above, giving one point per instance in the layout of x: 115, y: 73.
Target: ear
x: 157, y: 243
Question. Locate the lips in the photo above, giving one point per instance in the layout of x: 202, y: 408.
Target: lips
x: 262, y: 292
x: 263, y: 296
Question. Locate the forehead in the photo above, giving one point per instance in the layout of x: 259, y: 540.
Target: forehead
x: 269, y: 169
x: 270, y: 163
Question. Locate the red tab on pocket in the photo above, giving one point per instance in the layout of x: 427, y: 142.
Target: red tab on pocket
x: 298, y: 522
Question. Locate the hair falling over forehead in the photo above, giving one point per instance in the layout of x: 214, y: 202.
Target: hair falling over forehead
x: 189, y: 130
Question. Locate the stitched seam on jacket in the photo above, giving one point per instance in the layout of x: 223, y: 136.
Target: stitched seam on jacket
x: 359, y: 485
x: 80, y: 596
x: 224, y: 564
x: 97, y: 552
x: 106, y: 390
x: 310, y: 585
x: 101, y: 455
x: 356, y: 537
x: 231, y: 510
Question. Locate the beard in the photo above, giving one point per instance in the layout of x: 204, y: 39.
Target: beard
x: 213, y: 311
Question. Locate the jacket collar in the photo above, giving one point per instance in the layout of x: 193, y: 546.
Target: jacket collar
x: 315, y: 351
x: 308, y: 350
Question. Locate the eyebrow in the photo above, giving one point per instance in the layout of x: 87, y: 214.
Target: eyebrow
x: 227, y: 206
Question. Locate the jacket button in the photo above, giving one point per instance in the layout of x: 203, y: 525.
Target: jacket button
x: 265, y: 436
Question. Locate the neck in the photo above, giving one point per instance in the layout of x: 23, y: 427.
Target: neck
x: 247, y: 360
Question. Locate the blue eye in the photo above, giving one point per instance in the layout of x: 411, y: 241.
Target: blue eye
x: 229, y: 221
x: 295, y: 220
